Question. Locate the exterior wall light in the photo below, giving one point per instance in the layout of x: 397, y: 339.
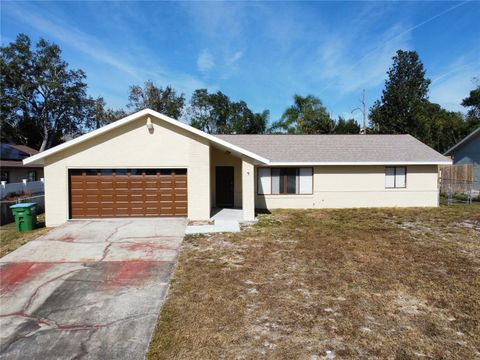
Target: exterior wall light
x: 149, y: 124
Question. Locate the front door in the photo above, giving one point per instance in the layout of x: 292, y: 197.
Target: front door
x: 224, y: 186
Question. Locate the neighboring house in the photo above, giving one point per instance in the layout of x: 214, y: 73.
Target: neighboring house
x: 467, y: 151
x: 148, y: 164
x: 12, y: 169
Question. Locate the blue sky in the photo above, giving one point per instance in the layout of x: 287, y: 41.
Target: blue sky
x: 260, y: 52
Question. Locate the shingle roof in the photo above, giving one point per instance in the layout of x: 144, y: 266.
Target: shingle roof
x: 25, y: 149
x: 338, y: 148
x: 16, y: 164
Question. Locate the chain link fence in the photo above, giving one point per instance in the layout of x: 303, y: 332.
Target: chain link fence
x: 459, y: 191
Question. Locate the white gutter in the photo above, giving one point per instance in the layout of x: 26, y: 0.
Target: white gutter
x: 324, y: 163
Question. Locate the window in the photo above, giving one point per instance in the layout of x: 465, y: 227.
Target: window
x: 281, y: 181
x: 264, y: 183
x: 106, y: 172
x: 121, y: 172
x: 395, y: 177
x: 306, y: 183
x: 5, y: 176
x: 32, y: 175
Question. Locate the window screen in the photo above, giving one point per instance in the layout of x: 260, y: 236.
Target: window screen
x: 306, y: 183
x: 275, y: 181
x: 264, y: 181
x: 395, y: 177
x: 32, y: 175
x: 389, y: 177
x: 284, y: 181
x: 400, y: 177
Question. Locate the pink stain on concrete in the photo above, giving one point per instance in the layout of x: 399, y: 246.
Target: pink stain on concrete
x: 14, y: 274
x: 147, y: 247
x: 126, y: 273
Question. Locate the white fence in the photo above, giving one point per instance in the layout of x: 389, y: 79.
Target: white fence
x: 25, y: 187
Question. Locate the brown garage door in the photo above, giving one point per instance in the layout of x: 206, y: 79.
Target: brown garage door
x: 127, y: 192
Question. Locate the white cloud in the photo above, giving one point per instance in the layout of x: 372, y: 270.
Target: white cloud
x: 232, y: 60
x: 138, y: 66
x: 74, y: 38
x: 205, y: 61
x: 350, y: 66
x: 450, y: 87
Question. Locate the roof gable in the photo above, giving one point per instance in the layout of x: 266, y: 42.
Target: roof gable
x: 38, y: 158
x: 462, y: 142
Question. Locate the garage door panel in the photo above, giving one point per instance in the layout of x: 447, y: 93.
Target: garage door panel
x: 95, y: 195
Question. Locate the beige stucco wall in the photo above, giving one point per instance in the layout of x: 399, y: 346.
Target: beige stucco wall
x: 222, y: 158
x: 248, y: 184
x: 132, y: 146
x: 359, y: 186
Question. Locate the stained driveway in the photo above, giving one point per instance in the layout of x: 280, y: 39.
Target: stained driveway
x: 87, y: 289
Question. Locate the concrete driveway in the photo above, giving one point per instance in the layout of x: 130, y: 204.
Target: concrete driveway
x: 87, y: 289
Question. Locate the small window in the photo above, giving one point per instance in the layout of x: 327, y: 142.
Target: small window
x: 288, y: 181
x: 106, y: 172
x: 264, y: 181
x: 5, y: 175
x: 180, y: 171
x: 151, y: 172
x: 121, y: 172
x: 32, y: 175
x: 275, y: 181
x: 306, y: 181
x: 396, y: 177
x: 90, y: 172
x: 166, y: 172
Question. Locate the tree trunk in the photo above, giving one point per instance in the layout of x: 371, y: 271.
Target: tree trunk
x: 44, y: 145
x: 45, y: 140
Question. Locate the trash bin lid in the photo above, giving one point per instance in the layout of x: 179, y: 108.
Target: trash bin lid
x: 23, y: 205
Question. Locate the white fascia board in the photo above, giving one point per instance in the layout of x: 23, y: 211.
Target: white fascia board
x: 361, y: 163
x: 38, y: 158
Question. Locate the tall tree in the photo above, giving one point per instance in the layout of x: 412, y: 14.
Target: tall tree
x: 343, y: 126
x: 472, y: 102
x: 216, y: 114
x: 42, y: 100
x: 104, y: 116
x: 405, y: 90
x: 439, y: 128
x: 165, y: 101
x: 307, y: 115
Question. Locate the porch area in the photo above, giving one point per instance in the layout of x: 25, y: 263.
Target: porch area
x: 232, y: 193
x: 232, y: 186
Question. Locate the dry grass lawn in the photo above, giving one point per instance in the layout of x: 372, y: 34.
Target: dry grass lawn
x: 321, y: 284
x: 10, y: 239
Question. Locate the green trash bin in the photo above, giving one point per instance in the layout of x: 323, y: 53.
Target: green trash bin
x: 25, y: 215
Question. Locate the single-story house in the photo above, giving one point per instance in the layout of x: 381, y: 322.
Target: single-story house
x: 12, y: 168
x: 148, y: 164
x: 467, y: 151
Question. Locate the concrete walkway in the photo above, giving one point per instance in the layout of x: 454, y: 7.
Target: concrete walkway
x: 87, y: 289
x: 223, y: 220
